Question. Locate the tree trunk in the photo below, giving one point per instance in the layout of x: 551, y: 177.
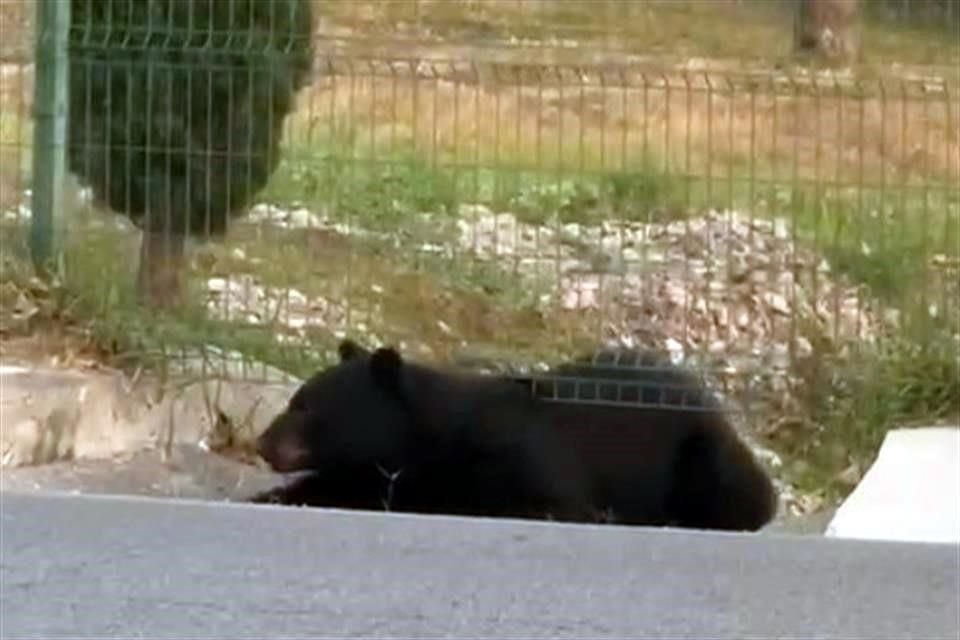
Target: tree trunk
x: 829, y: 29
x: 159, y: 281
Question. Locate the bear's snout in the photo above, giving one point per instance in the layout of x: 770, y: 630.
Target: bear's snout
x: 282, y: 452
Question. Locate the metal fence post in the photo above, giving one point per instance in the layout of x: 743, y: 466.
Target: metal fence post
x: 50, y: 114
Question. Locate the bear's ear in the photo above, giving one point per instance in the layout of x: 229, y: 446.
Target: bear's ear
x: 348, y: 350
x: 385, y: 365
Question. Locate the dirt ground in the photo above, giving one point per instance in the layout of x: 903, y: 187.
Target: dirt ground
x: 189, y: 472
x: 193, y: 473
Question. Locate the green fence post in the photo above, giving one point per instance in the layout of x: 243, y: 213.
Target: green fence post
x: 50, y: 112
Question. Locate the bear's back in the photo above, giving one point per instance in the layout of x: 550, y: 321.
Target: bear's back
x: 630, y: 415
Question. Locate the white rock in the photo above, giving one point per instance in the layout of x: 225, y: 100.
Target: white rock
x: 777, y: 302
x: 675, y: 349
x: 803, y: 347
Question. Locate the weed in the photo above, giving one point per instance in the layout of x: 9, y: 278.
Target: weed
x: 852, y: 403
x: 881, y: 240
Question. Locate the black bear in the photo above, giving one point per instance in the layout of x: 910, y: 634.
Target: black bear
x: 656, y: 442
x: 375, y: 431
x: 617, y: 436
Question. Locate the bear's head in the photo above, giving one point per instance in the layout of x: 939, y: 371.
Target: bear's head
x: 352, y: 412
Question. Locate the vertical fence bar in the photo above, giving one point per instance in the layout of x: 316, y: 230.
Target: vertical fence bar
x: 50, y: 113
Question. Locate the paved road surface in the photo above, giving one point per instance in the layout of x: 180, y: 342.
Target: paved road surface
x: 99, y: 566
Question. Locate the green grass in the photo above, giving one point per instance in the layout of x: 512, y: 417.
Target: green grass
x: 375, y: 196
x: 854, y: 393
x: 384, y: 194
x: 879, y: 239
x: 887, y: 243
x: 853, y: 403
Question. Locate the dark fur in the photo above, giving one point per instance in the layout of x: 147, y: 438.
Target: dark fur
x: 657, y: 442
x: 441, y: 442
x: 479, y: 445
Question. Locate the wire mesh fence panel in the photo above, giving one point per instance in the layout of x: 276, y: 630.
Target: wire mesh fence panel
x: 512, y: 182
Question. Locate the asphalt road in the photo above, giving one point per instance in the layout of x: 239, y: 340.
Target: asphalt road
x: 100, y: 566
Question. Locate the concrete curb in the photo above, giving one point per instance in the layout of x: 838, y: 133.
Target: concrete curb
x: 911, y: 493
x: 48, y: 415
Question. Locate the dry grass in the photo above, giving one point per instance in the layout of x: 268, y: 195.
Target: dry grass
x: 441, y: 307
x: 678, y: 29
x: 510, y: 116
x: 688, y: 123
x: 15, y: 133
x: 14, y: 164
x: 16, y: 30
x: 738, y: 29
x: 431, y: 309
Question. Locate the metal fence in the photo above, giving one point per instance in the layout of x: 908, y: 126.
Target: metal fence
x: 520, y: 181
